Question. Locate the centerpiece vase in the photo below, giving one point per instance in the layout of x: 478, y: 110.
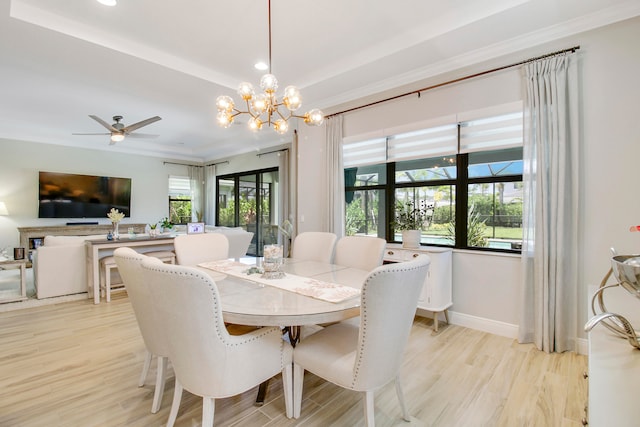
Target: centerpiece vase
x: 272, y: 262
x: 116, y: 232
x: 411, y: 238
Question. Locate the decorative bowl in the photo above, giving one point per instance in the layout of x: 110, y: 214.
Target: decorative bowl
x: 626, y: 269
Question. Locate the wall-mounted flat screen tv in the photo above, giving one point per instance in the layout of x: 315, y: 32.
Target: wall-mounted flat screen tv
x: 63, y: 195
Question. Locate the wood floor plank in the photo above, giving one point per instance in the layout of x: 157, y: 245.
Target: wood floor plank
x: 77, y: 364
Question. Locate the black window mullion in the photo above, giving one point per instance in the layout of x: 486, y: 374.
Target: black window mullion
x: 462, y: 198
x: 390, y: 201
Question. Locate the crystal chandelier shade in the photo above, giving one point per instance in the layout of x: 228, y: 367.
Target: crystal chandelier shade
x: 265, y: 107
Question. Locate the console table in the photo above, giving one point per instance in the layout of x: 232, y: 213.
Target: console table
x: 436, y: 293
x: 32, y: 237
x: 21, y: 264
x: 614, y: 367
x: 94, y: 247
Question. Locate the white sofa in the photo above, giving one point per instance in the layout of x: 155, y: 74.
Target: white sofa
x: 239, y: 239
x: 60, y: 266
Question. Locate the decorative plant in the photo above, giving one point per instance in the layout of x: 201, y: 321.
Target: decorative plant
x: 166, y: 223
x: 153, y: 226
x: 287, y: 231
x: 408, y: 216
x: 115, y: 216
x: 476, y: 232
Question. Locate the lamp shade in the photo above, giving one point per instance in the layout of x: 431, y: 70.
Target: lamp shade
x: 117, y: 137
x: 3, y: 209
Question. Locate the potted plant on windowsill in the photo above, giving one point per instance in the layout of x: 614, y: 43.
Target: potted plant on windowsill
x: 409, y: 219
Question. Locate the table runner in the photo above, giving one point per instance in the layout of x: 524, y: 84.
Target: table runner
x: 326, y: 291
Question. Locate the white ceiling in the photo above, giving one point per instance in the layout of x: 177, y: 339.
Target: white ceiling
x: 61, y: 60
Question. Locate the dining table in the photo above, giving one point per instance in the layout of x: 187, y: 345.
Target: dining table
x: 248, y: 298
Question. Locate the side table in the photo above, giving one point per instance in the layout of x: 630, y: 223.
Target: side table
x: 22, y: 265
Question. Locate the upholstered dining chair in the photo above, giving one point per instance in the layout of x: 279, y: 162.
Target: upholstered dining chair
x: 363, y: 252
x: 192, y: 249
x: 314, y: 246
x: 365, y: 358
x: 139, y: 290
x: 207, y: 361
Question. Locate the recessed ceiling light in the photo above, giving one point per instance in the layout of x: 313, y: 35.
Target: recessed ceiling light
x: 261, y: 66
x: 108, y: 2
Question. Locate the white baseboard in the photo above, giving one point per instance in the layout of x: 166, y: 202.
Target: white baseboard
x: 496, y: 327
x: 486, y: 325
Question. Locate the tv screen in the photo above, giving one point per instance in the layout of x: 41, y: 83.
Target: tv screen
x: 63, y: 195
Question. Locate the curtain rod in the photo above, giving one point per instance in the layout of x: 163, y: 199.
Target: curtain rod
x: 471, y: 76
x: 181, y: 164
x: 271, y: 152
x: 197, y: 166
x: 218, y: 163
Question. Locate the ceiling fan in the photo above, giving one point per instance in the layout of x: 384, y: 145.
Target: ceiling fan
x: 118, y: 130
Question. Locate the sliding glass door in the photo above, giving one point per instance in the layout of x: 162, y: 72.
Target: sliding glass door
x: 249, y: 200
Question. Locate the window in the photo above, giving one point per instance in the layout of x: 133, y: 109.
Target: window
x: 478, y: 151
x: 365, y: 200
x: 494, y: 204
x: 179, y: 199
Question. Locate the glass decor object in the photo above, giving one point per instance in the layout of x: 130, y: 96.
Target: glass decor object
x: 116, y: 231
x: 272, y: 262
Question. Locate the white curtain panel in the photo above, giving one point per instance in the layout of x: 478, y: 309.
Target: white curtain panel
x: 210, y: 195
x: 196, y: 182
x: 335, y: 178
x: 550, y: 243
x: 285, y: 196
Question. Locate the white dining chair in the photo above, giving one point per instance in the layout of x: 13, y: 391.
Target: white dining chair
x: 139, y: 291
x: 192, y: 249
x: 207, y: 361
x: 363, y: 252
x: 365, y: 358
x: 314, y: 246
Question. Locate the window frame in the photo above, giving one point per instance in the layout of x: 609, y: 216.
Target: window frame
x: 179, y: 197
x: 504, y: 140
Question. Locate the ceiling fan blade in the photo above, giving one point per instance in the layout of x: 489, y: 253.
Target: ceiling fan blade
x: 142, y: 135
x: 90, y: 134
x: 138, y: 125
x: 103, y: 123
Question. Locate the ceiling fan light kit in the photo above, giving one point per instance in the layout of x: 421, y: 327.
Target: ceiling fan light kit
x: 265, y: 108
x: 118, y: 131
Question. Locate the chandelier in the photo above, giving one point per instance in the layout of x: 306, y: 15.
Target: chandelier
x: 266, y: 108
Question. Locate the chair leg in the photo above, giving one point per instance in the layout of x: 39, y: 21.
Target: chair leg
x: 298, y: 381
x: 369, y: 409
x: 145, y: 367
x: 403, y: 405
x: 160, y: 378
x: 208, y: 411
x: 287, y: 384
x: 175, y: 405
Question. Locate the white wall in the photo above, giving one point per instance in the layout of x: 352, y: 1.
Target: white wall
x: 21, y: 161
x: 485, y: 286
x: 609, y: 64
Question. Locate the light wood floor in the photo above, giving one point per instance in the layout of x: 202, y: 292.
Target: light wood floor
x: 77, y: 364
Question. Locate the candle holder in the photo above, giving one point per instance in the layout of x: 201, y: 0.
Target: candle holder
x: 272, y: 262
